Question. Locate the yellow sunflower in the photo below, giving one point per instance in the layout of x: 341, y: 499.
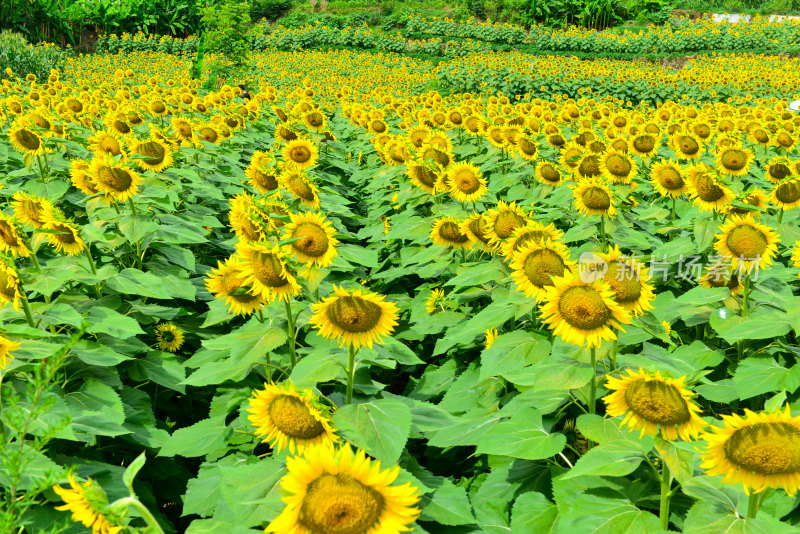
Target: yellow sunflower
x: 582, y: 313
x: 644, y: 144
x: 88, y: 504
x: 154, y: 154
x: 114, y: 178
x: 315, y: 244
x: 30, y: 210
x: 720, y: 274
x: 526, y: 147
x: 79, y: 175
x: 667, y: 178
x: 747, y: 242
x: 534, y: 265
x: 617, y: 167
x: 475, y: 228
x: 301, y: 153
x: 502, y: 220
x: 708, y: 192
x: 169, y: 337
x: 64, y: 236
x: 264, y: 268
x: 9, y: 286
x: 290, y: 419
x: 6, y: 348
x: 571, y: 156
x: 262, y: 176
x: 734, y: 160
x: 651, y: 403
x: 107, y: 143
x: 686, y: 146
x: 466, y: 183
x: 532, y: 231
x: 786, y: 195
x: 25, y: 140
x: 446, y: 232
x: 594, y: 197
x: 434, y: 301
x: 334, y: 491
x: 355, y: 318
x: 759, y: 450
x: 423, y: 176
x: 489, y: 337
x: 10, y: 239
x: 225, y: 282
x: 209, y: 133
x: 548, y: 173
x: 628, y: 278
x: 778, y: 168
x: 299, y: 184
x: 755, y: 198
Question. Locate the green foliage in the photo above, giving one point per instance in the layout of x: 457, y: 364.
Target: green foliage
x: 23, y: 58
x: 226, y: 26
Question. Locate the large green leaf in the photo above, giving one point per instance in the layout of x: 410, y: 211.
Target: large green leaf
x: 523, y: 436
x: 380, y: 427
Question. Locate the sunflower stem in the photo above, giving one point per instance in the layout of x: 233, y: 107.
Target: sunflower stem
x: 745, y: 295
x: 666, y: 496
x: 672, y: 213
x: 780, y: 216
x: 136, y: 504
x: 752, y: 505
x: 32, y: 256
x: 291, y: 333
x: 593, y: 390
x: 351, y: 373
x: 612, y: 357
x: 603, y: 231
x: 27, y: 309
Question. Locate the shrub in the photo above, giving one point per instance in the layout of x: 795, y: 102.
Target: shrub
x: 23, y: 58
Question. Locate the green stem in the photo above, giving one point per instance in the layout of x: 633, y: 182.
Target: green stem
x: 27, y: 308
x: 752, y: 506
x: 780, y: 216
x: 672, y: 214
x: 351, y: 373
x: 603, y: 231
x: 87, y: 251
x: 612, y: 358
x: 291, y: 332
x: 33, y: 257
x: 593, y: 390
x: 745, y: 294
x: 132, y: 205
x: 133, y: 502
x: 666, y: 496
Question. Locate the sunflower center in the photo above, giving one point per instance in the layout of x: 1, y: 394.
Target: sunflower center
x: 7, y: 234
x: 115, y: 178
x: 354, y: 314
x: 268, y: 269
x: 264, y: 180
x: 506, y: 223
x: 618, y: 166
x: 746, y: 241
x: 340, y: 504
x: 761, y: 136
x: 589, y: 166
x: 779, y: 171
x: 657, y: 402
x: 670, y: 178
x: 688, y: 146
x: 28, y: 139
x: 7, y: 286
x: 526, y: 147
x: 539, y: 265
x: 644, y: 143
x: 550, y: 173
x: 784, y: 140
x: 64, y: 234
x: 122, y: 127
x: 153, y: 151
x: 596, y: 198
x: 300, y: 154
x: 314, y: 240
x: 707, y: 189
x: 788, y: 192
x: 734, y: 160
x: 314, y: 119
x: 449, y: 231
x: 466, y: 181
x: 301, y: 188
x: 765, y: 448
x: 583, y: 307
x: 624, y: 281
x: 293, y: 418
x: 378, y: 126
x: 158, y: 107
x: 209, y: 134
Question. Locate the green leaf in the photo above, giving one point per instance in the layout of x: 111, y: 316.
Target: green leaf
x: 594, y: 514
x: 380, y: 427
x: 476, y: 275
x: 448, y: 505
x: 254, y: 339
x: 614, y: 459
x: 107, y: 321
x: 758, y: 325
x: 762, y: 374
x: 96, y: 410
x: 199, y: 439
x: 533, y: 514
x: 511, y: 352
x: 97, y: 354
x: 523, y: 436
x: 132, y: 470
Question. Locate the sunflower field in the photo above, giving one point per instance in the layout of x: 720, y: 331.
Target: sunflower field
x: 371, y: 294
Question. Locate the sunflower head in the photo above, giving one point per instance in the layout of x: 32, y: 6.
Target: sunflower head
x: 503, y: 220
x: 628, y: 278
x: 64, y: 233
x: 264, y: 268
x: 667, y: 178
x: 617, y: 167
x: 154, y: 154
x: 355, y: 318
x: 169, y: 337
x: 301, y: 153
x: 9, y: 286
x: 225, y: 282
x: 118, y: 181
x: 594, y: 197
x: 446, y: 232
x: 534, y: 265
x: 708, y: 192
x: 786, y: 194
x: 466, y: 183
x: 734, y: 160
x: 747, y: 242
x: 314, y: 242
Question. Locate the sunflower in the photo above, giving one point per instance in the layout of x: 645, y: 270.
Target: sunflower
x: 534, y: 265
x: 446, y: 232
x: 581, y: 313
x: 423, y: 176
x: 79, y: 175
x: 107, y: 143
x: 594, y: 197
x: 299, y: 184
x: 116, y: 179
x: 88, y: 504
x: 644, y: 144
x: 262, y: 177
x: 628, y: 278
x: 532, y: 231
x: 314, y: 121
x: 183, y: 128
x: 418, y: 135
x: 431, y: 154
x: 786, y: 195
x: 209, y: 133
x: 64, y: 235
x: 31, y: 210
x: 301, y: 152
x: 686, y: 146
x: 466, y: 182
x: 588, y: 166
x: 547, y: 173
x: 526, y: 147
x: 355, y: 318
x: 6, y: 348
x: 475, y: 228
x: 571, y: 156
x: 783, y: 140
x: 334, y: 491
x: 755, y: 198
x: 759, y: 450
x: 708, y: 192
x: 759, y: 135
x: 778, y: 168
x: 434, y: 301
x: 502, y: 221
x: 25, y: 140
x: 617, y: 167
x: 720, y: 274
x: 289, y: 419
x: 489, y: 337
x: 747, y: 242
x: 734, y: 160
x: 169, y: 337
x: 495, y: 136
x: 225, y: 282
x: 651, y: 403
x: 155, y: 154
x: 315, y: 244
x: 10, y: 239
x: 264, y: 268
x: 667, y: 178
